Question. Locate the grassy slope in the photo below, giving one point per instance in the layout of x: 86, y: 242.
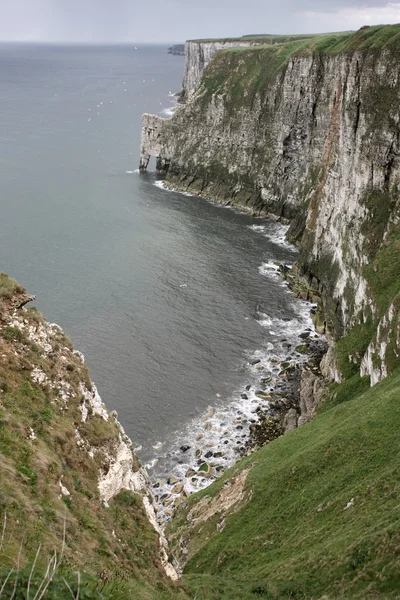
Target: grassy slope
x: 279, y: 545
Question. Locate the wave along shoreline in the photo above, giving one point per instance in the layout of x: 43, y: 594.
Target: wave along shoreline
x: 214, y: 441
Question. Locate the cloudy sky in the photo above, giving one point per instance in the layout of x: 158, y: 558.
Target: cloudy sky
x: 177, y: 20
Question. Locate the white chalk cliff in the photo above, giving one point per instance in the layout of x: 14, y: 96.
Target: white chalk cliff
x: 313, y: 139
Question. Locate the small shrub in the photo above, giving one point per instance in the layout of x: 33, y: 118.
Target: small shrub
x: 32, y: 476
x: 126, y: 498
x: 9, y: 287
x: 13, y: 334
x: 358, y: 558
x: 43, y: 415
x: 67, y: 501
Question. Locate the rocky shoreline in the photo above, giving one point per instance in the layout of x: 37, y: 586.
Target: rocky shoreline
x: 282, y: 395
x: 289, y: 403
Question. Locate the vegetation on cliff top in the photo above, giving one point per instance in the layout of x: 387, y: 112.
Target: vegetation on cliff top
x: 259, y: 64
x: 375, y: 39
x: 258, y: 39
x: 9, y: 287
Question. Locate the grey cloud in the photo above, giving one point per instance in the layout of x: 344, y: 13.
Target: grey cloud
x: 324, y: 5
x: 173, y: 20
x: 300, y: 6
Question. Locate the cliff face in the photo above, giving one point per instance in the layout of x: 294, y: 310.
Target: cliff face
x: 309, y: 132
x: 63, y: 453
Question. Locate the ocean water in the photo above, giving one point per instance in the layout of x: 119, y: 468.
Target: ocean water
x: 169, y: 297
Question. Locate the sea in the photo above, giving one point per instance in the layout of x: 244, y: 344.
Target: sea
x: 175, y: 302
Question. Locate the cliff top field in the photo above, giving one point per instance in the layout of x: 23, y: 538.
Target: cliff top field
x: 376, y: 37
x: 266, y: 38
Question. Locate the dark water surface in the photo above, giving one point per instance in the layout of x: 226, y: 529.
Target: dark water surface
x: 162, y: 293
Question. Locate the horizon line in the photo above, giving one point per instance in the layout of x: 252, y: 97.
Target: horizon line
x: 90, y: 43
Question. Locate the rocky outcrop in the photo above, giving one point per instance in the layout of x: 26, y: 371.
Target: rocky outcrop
x: 312, y: 390
x: 177, y: 50
x: 384, y: 345
x: 314, y: 139
x: 229, y: 499
x: 290, y: 420
x: 152, y: 127
x: 118, y: 467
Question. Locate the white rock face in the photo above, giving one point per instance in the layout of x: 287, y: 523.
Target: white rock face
x: 92, y: 399
x: 120, y: 474
x: 374, y: 363
x: 63, y: 489
x: 151, y: 133
x: 172, y: 571
x: 38, y: 376
x: 329, y: 367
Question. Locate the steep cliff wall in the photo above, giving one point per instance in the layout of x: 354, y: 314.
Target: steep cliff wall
x: 309, y: 131
x: 152, y: 126
x: 66, y: 459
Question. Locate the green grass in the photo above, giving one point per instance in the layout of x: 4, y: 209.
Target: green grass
x: 9, y: 287
x: 351, y: 348
x: 81, y: 585
x: 345, y: 391
x: 375, y: 39
x: 279, y: 545
x: 260, y: 63
x: 258, y: 39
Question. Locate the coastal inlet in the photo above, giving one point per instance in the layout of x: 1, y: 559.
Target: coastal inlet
x: 266, y: 379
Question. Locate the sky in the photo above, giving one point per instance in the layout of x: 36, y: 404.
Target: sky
x: 124, y: 21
